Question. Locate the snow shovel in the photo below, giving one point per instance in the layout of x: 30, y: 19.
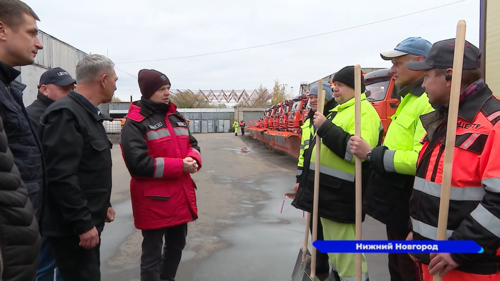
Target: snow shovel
x: 305, y: 265
x: 456, y: 80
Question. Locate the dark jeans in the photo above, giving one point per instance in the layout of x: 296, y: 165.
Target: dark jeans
x: 401, y: 266
x: 154, y: 265
x: 47, y: 264
x: 74, y: 262
x: 322, y: 262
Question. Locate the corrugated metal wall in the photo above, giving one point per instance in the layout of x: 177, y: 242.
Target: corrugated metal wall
x: 55, y: 53
x: 493, y: 46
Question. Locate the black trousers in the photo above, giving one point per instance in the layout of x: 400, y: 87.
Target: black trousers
x: 156, y: 266
x: 242, y: 131
x: 74, y: 262
x: 401, y: 266
x: 322, y: 262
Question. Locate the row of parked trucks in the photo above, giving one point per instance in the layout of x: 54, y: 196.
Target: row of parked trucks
x: 280, y: 126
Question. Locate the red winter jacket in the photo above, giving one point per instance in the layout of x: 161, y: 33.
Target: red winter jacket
x: 154, y: 140
x: 474, y: 208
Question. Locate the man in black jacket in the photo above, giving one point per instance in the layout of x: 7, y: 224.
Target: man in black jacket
x: 18, y: 47
x: 54, y: 84
x: 19, y: 237
x: 78, y: 153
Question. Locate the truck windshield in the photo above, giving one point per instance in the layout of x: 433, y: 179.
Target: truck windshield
x: 376, y: 89
x: 296, y: 106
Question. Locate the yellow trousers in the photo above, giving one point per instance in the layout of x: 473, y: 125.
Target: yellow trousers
x: 344, y: 263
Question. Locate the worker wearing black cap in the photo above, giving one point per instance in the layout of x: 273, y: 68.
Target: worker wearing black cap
x: 475, y: 181
x: 54, y: 84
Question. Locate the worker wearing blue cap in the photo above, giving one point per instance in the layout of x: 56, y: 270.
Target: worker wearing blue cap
x: 394, y: 164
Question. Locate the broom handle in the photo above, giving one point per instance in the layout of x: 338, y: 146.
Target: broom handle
x: 306, y: 238
x: 456, y: 81
x: 317, y: 163
x: 357, y: 173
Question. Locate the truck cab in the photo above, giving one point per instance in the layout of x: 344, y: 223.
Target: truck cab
x: 296, y: 117
x: 382, y: 93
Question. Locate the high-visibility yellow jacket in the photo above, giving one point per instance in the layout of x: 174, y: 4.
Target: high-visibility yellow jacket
x: 394, y: 163
x: 337, y: 188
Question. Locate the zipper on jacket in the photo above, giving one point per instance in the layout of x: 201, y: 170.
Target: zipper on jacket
x: 438, y: 160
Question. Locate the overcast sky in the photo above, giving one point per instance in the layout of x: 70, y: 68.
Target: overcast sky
x: 152, y: 30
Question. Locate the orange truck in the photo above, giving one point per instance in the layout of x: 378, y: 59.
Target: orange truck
x: 382, y: 93
x: 280, y: 125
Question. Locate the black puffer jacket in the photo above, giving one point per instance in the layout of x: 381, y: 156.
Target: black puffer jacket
x: 19, y: 236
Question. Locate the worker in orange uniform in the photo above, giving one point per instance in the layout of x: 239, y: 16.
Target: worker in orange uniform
x: 475, y: 184
x: 242, y: 126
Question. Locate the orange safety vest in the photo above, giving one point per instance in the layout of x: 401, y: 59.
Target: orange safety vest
x: 474, y: 212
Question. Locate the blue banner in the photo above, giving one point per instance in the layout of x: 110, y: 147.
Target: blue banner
x: 382, y: 246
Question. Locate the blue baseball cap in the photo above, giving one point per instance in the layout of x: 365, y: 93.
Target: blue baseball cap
x: 410, y: 46
x: 326, y: 87
x: 442, y: 53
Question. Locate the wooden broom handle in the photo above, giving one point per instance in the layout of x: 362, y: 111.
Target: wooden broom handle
x: 456, y: 81
x: 317, y: 167
x: 358, y: 170
x: 306, y: 238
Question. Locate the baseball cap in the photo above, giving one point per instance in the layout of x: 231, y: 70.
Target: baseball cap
x: 442, y: 53
x: 410, y: 46
x: 57, y: 76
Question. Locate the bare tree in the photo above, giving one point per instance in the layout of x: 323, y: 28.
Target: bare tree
x: 279, y: 94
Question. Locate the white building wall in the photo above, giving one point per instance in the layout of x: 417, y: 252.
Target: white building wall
x: 55, y: 53
x: 493, y: 46
x: 30, y: 75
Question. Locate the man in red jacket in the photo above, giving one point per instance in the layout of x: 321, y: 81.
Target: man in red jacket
x: 475, y: 180
x: 160, y: 153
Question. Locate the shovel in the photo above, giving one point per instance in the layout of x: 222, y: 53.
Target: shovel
x: 451, y: 134
x: 305, y: 265
x: 358, y: 167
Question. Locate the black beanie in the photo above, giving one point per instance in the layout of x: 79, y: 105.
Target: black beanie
x: 346, y: 76
x: 150, y: 81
